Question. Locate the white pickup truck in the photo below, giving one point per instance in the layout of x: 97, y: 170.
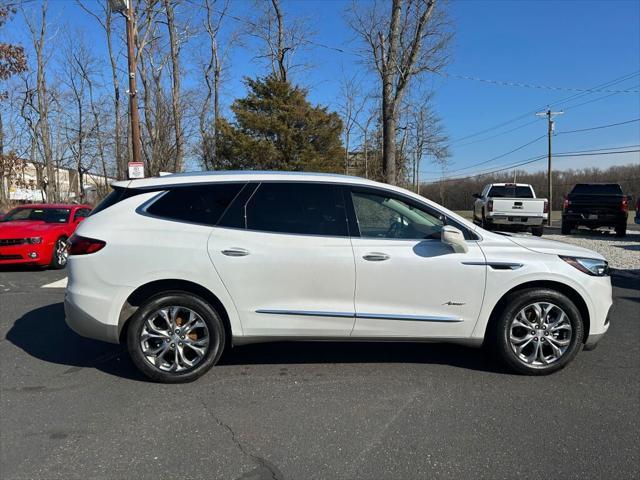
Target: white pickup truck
x: 510, y: 206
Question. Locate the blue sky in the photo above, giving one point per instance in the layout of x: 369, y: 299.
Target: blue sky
x: 566, y: 44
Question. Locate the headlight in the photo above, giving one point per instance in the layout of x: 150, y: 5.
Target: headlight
x: 590, y: 266
x: 34, y: 240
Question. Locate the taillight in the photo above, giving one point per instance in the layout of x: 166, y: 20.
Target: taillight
x: 490, y: 206
x: 624, y: 204
x: 566, y: 204
x: 545, y: 209
x: 78, y: 245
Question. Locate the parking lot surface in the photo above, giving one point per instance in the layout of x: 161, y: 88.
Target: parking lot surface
x: 77, y: 408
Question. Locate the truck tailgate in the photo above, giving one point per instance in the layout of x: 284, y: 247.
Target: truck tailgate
x: 521, y: 207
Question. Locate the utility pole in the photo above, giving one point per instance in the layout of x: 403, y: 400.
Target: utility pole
x: 549, y: 114
x: 125, y: 7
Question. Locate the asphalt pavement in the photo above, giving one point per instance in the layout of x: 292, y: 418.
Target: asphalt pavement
x: 71, y: 407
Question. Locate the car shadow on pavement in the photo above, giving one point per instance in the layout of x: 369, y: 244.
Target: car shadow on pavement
x: 21, y: 268
x: 44, y: 334
x: 363, y: 352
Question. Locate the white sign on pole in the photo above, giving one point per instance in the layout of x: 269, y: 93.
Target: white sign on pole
x: 136, y: 170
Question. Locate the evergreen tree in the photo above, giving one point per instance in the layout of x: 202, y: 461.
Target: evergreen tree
x: 276, y: 128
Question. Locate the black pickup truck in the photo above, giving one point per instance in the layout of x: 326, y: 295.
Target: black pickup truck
x: 595, y: 205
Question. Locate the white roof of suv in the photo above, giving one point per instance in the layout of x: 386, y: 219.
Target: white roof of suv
x: 247, y: 175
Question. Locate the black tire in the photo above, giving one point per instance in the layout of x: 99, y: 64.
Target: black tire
x: 537, y: 231
x: 566, y: 228
x: 498, y: 334
x: 484, y: 223
x: 58, y: 262
x: 621, y: 230
x: 214, y: 324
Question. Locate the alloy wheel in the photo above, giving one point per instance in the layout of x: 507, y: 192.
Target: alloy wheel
x: 174, y: 339
x: 540, y: 334
x: 61, y: 252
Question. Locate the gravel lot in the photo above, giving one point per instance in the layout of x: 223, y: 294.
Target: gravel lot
x: 622, y: 253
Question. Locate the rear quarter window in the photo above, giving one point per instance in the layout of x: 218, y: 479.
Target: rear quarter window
x: 203, y: 204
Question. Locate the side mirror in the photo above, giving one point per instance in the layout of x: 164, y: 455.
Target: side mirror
x: 455, y: 238
x: 476, y: 195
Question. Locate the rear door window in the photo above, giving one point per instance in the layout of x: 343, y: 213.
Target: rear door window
x: 202, y: 204
x: 298, y: 208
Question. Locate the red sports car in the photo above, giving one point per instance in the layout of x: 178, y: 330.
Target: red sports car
x: 37, y: 234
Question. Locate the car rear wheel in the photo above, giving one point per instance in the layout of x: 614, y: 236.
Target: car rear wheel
x: 537, y: 231
x: 175, y: 337
x: 538, y: 332
x: 621, y: 230
x: 566, y: 228
x: 60, y: 254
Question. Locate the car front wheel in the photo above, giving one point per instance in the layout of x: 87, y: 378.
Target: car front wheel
x: 175, y: 337
x: 538, y: 332
x: 60, y: 254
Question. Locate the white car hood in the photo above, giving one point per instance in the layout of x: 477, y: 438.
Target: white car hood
x: 553, y: 247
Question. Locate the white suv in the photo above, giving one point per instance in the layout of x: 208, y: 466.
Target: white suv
x: 182, y: 266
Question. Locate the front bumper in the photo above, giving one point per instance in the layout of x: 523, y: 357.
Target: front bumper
x: 26, y: 253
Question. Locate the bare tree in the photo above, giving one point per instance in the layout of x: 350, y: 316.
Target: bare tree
x: 38, y: 30
x: 351, y: 106
x: 12, y: 62
x: 174, y: 48
x: 410, y: 40
x: 280, y: 39
x: 107, y: 26
x: 212, y: 71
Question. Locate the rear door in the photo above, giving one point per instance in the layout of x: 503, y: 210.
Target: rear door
x: 284, y: 254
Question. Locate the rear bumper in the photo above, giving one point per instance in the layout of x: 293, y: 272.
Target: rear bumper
x: 524, y: 221
x: 81, y: 322
x: 600, y: 219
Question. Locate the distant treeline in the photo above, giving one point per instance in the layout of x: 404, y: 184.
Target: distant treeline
x: 457, y: 194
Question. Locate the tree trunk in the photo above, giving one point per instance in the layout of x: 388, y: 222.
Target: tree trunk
x: 175, y: 91
x: 121, y: 164
x: 43, y: 111
x: 282, y: 67
x: 389, y: 143
x: 3, y: 196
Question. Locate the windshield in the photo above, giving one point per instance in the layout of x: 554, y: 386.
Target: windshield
x: 48, y: 215
x: 510, y: 191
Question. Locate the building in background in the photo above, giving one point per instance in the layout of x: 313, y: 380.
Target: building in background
x: 26, y: 181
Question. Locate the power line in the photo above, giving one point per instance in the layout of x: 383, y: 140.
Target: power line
x: 609, y: 83
x: 484, y: 162
x: 506, y: 83
x: 597, y: 153
x: 577, y: 153
x: 500, y: 134
x: 602, y: 149
x: 599, y: 127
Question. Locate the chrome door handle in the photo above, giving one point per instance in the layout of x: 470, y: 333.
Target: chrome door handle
x: 376, y: 257
x: 235, y: 252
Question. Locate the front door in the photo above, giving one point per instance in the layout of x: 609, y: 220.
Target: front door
x: 285, y: 257
x: 409, y: 283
